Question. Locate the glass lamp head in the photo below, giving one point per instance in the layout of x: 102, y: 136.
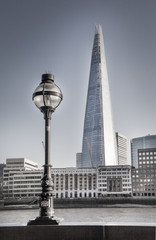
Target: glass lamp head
x: 47, y: 95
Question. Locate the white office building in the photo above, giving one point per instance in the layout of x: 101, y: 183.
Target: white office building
x: 19, y: 177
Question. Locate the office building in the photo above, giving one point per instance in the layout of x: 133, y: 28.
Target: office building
x: 144, y: 177
x: 148, y: 141
x: 74, y: 182
x: 17, y: 180
x: 69, y: 182
x: 114, y: 181
x: 121, y: 149
x: 99, y: 143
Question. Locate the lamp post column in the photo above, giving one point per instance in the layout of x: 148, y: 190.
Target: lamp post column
x: 47, y: 97
x: 46, y: 201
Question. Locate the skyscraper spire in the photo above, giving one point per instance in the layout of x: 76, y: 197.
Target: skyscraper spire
x: 99, y: 143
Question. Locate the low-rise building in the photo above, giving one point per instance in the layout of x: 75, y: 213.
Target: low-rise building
x: 74, y: 182
x: 114, y: 181
x: 20, y: 182
x: 17, y: 176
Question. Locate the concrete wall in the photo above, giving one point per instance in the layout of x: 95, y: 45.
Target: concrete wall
x: 101, y: 202
x: 87, y: 202
x: 77, y: 232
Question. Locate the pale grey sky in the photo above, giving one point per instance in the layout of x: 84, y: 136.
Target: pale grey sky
x: 57, y: 36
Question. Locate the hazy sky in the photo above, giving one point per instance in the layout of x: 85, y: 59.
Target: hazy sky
x: 39, y: 36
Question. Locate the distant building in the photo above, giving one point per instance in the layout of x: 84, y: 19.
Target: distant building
x: 144, y: 177
x: 78, y: 160
x: 68, y: 182
x: 20, y: 163
x: 1, y: 179
x: 99, y: 143
x: 74, y: 182
x: 145, y: 142
x: 17, y: 181
x: 2, y: 166
x: 121, y: 149
x: 114, y: 181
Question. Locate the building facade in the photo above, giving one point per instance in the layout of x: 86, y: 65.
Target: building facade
x: 78, y: 159
x: 68, y: 182
x: 144, y: 177
x: 99, y: 143
x: 121, y: 149
x: 148, y: 141
x: 114, y: 181
x: 2, y: 166
x: 74, y: 183
x: 19, y: 178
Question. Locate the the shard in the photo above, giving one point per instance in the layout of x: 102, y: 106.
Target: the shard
x: 99, y: 142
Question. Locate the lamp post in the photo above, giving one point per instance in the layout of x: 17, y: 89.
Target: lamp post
x: 47, y: 98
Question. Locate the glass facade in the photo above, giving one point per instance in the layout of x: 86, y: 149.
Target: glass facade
x: 99, y: 144
x: 144, y: 177
x: 145, y: 142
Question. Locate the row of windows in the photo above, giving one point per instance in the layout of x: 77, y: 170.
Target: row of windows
x: 142, y: 189
x: 147, y: 153
x: 21, y: 191
x: 85, y: 188
x: 112, y: 173
x: 144, y: 194
x: 147, y: 162
x: 112, y: 170
x: 24, y: 182
x: 14, y: 162
x: 142, y: 180
x: 145, y: 166
x: 144, y: 171
x: 124, y: 190
x: 26, y: 186
x: 27, y: 177
x: 152, y: 176
x: 143, y: 158
x: 75, y: 195
x: 71, y: 182
x: 71, y: 188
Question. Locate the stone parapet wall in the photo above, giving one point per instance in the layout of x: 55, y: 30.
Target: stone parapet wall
x: 83, y: 232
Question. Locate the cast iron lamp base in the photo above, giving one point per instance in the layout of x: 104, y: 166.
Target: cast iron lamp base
x: 45, y: 221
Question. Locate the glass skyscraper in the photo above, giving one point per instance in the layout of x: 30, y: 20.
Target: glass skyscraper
x: 99, y: 142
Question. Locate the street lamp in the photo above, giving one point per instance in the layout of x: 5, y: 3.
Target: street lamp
x: 47, y: 98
